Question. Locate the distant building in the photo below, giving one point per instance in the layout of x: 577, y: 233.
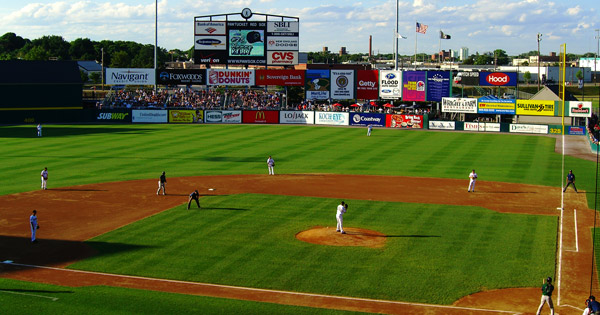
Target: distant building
x: 593, y: 63
x: 343, y: 51
x: 464, y: 53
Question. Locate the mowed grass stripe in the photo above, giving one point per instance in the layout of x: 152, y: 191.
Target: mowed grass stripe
x: 248, y: 247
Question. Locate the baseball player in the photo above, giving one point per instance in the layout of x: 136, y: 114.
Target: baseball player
x: 39, y: 130
x: 44, y: 177
x: 271, y: 165
x: 369, y: 128
x: 547, y: 289
x: 194, y: 196
x: 339, y: 216
x: 162, y: 182
x: 570, y: 181
x: 472, y: 180
x: 591, y: 306
x: 33, y: 223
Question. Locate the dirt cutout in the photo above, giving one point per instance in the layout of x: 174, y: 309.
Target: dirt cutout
x: 353, y: 237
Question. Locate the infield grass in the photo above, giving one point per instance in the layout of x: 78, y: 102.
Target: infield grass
x: 433, y: 253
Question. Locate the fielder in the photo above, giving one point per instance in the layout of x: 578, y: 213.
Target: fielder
x: 194, y: 196
x: 39, y: 130
x: 271, y: 165
x: 339, y: 216
x: 547, y: 289
x: 44, y: 177
x: 472, y: 180
x: 33, y: 223
x: 369, y: 128
x: 162, y: 182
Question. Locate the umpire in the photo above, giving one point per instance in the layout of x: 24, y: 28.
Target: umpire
x: 194, y: 196
x: 570, y: 181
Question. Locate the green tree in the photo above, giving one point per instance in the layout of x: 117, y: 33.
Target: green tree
x: 501, y: 57
x: 36, y: 53
x: 84, y: 76
x: 96, y: 77
x: 120, y: 59
x: 54, y: 46
x: 82, y: 49
x: 527, y: 76
x: 10, y: 42
x: 483, y: 60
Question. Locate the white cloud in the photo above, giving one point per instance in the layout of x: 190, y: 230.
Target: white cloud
x: 574, y: 11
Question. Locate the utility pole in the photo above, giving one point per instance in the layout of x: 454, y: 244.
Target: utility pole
x: 596, y: 61
x: 102, y: 66
x: 539, y: 39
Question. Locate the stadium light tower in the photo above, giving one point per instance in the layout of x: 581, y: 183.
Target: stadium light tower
x: 155, y: 38
x: 539, y: 76
x: 596, y: 60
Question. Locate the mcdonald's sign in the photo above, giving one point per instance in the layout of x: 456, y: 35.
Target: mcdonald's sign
x: 260, y: 117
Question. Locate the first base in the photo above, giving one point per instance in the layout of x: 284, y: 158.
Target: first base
x: 211, y: 189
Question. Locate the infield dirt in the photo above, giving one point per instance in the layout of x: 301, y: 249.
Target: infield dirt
x: 71, y: 215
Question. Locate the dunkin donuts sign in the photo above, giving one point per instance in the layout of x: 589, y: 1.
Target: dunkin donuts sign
x: 498, y: 78
x: 230, y: 77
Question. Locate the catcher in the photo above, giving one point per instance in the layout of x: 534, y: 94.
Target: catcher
x: 592, y: 306
x: 194, y: 196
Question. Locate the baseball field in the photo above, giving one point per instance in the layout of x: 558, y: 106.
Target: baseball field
x: 417, y: 242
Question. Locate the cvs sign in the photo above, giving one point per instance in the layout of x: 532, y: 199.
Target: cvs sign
x: 282, y: 57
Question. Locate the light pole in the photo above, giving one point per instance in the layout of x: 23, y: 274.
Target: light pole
x: 102, y: 66
x: 596, y: 61
x: 155, y: 39
x: 539, y: 39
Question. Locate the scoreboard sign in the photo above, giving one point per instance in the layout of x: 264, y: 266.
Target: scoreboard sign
x: 248, y: 42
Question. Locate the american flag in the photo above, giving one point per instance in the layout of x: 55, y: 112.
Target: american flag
x: 421, y: 28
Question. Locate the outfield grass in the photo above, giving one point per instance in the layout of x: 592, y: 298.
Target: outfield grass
x: 19, y: 297
x: 248, y: 240
x: 77, y: 154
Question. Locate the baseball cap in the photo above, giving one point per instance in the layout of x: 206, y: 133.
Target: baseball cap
x: 549, y: 279
x: 253, y: 37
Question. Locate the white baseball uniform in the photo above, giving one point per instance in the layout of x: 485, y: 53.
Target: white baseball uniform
x: 271, y: 165
x: 472, y: 180
x: 33, y: 224
x: 369, y: 130
x: 39, y: 130
x: 44, y: 178
x: 339, y: 216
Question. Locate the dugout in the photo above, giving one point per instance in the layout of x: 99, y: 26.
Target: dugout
x: 40, y: 92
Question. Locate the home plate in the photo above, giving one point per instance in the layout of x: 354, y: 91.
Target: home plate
x: 211, y: 189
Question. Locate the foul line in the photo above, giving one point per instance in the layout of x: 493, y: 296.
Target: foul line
x: 40, y: 296
x: 576, y: 236
x: 263, y: 290
x: 560, y: 249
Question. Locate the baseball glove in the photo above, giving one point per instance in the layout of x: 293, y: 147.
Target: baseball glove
x: 37, y: 227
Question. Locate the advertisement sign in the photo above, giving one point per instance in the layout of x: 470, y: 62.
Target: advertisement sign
x: 497, y: 78
x: 404, y: 121
x: 317, y: 84
x: 442, y: 125
x: 113, y: 115
x: 576, y: 131
x: 331, y: 118
x: 367, y: 86
x: 459, y: 105
x: 181, y: 76
x: 364, y: 119
x: 297, y: 117
x: 210, y: 56
x: 467, y: 78
x: 413, y: 86
x: 523, y: 128
x: 232, y: 116
x: 579, y: 109
x: 282, y: 57
x: 185, y: 116
x: 342, y: 87
x: 473, y: 126
x: 149, y: 116
x: 209, y: 28
x: 283, y: 43
x: 438, y: 85
x: 130, y: 76
x: 246, y: 42
x: 280, y: 77
x: 210, y: 42
x: 535, y: 108
x: 283, y: 28
x: 390, y: 84
x: 260, y: 117
x: 230, y: 77
x: 497, y: 106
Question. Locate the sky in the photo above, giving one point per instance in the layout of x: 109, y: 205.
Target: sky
x: 480, y: 25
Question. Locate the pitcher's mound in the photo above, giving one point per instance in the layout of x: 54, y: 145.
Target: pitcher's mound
x: 353, y: 237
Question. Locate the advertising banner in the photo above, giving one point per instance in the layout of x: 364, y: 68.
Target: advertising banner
x: 523, y: 128
x: 246, y: 42
x: 364, y: 119
x: 210, y: 42
x: 130, y: 76
x: 209, y: 28
x: 317, y: 84
x: 342, y: 87
x: 459, y: 105
x: 224, y: 116
x: 467, y: 78
x: 576, y: 130
x: 579, y: 109
x: 390, y: 84
x: 438, y: 85
x: 283, y: 28
x: 404, y: 121
x: 535, y: 108
x: 367, y: 87
x: 473, y: 126
x: 260, y: 117
x: 499, y: 106
x: 413, y: 86
x: 181, y: 76
x: 331, y: 118
x: 280, y: 77
x: 442, y: 125
x: 297, y: 117
x: 283, y: 43
x: 185, y: 116
x: 282, y: 57
x: 113, y: 115
x: 230, y: 77
x: 149, y: 116
x: 497, y: 78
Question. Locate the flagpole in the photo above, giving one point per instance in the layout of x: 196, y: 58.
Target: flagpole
x: 440, y: 48
x: 416, y: 34
x: 396, y: 37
